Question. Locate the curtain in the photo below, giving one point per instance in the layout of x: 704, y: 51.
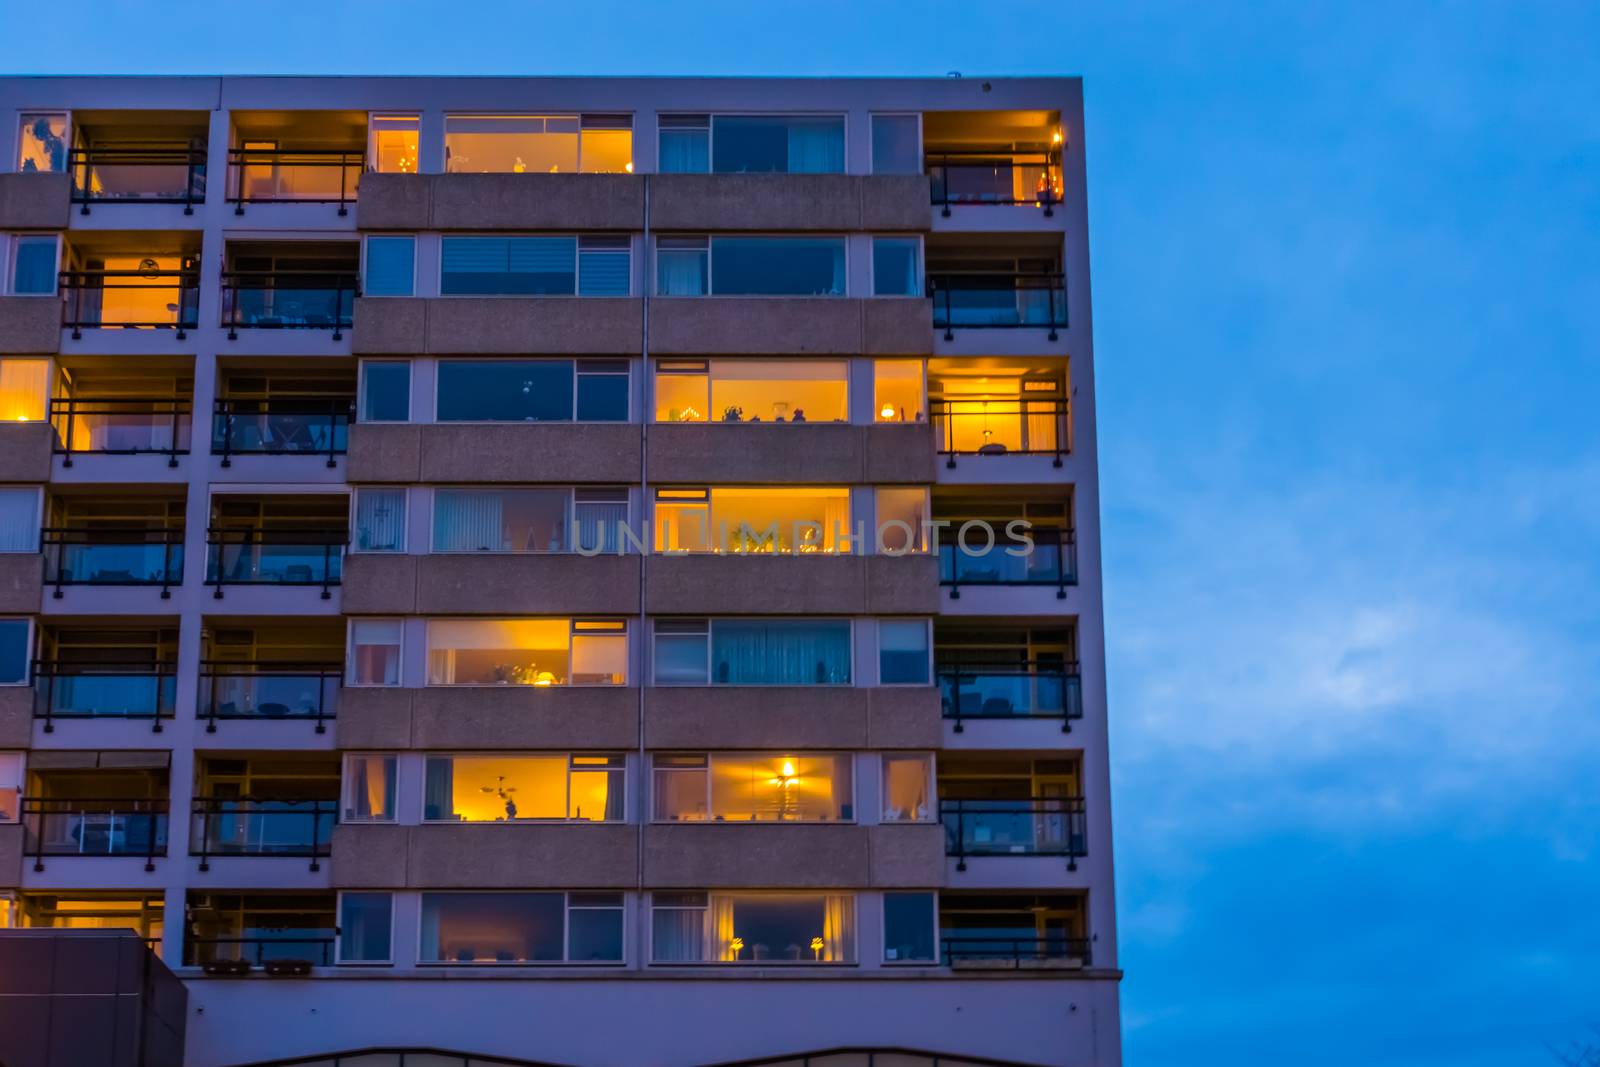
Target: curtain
x: 598, y: 524
x: 685, y: 151
x: 837, y: 535
x: 681, y: 272
x: 23, y: 386
x: 678, y: 935
x: 836, y: 284
x: 816, y: 147
x: 430, y: 949
x: 905, y: 788
x: 838, y: 929
x: 19, y: 520
x: 722, y: 927
x: 438, y: 791
x: 372, y: 789
x: 465, y: 521
x: 380, y: 519
x: 756, y: 653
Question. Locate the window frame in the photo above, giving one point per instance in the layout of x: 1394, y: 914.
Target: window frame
x: 623, y: 247
x: 405, y: 519
x: 338, y: 940
x: 921, y: 149
x: 577, y: 372
x: 918, y: 256
x: 29, y: 636
x: 350, y: 656
x: 366, y: 291
x: 40, y: 112
x: 38, y: 512
x: 927, y: 623
x: 579, y: 116
x: 614, y: 626
x: 883, y: 928
x: 372, y: 139
x: 854, y: 897
x: 51, y: 374
x: 710, y: 623
x: 705, y: 370
x: 346, y: 804
x: 569, y: 546
x: 15, y: 243
x: 929, y: 759
x: 21, y: 755
x: 711, y: 240
x: 566, y: 928
x: 541, y: 820
x: 711, y: 758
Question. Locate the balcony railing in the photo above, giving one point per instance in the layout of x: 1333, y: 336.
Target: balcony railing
x: 305, y: 176
x: 112, y: 690
x: 318, y: 951
x: 139, y: 175
x: 1001, y: 428
x: 130, y: 299
x: 112, y: 555
x: 94, y: 826
x: 288, y: 300
x: 1037, y: 826
x: 123, y: 426
x: 275, y: 557
x: 998, y: 299
x: 1051, y: 560
x: 297, y: 426
x: 1017, y: 952
x: 1031, y: 690
x: 998, y: 177
x: 233, y: 690
x: 245, y: 826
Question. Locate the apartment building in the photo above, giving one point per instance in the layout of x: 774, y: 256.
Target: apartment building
x: 560, y: 570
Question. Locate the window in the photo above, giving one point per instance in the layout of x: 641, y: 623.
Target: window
x: 752, y: 652
x: 521, y: 928
x: 391, y: 266
x: 368, y: 788
x: 902, y: 515
x: 380, y: 524
x: 895, y: 147
x: 784, y: 144
x: 753, y: 788
x: 755, y: 520
x: 366, y: 925
x: 534, y: 652
x: 505, y: 788
x: 750, y: 266
x: 764, y: 928
x: 908, y: 928
x: 392, y: 144
x: 906, y: 788
x: 10, y: 786
x: 752, y: 390
x: 508, y: 266
x: 19, y: 520
x: 894, y: 266
x: 24, y: 389
x: 33, y: 266
x: 897, y: 390
x: 15, y: 644
x: 375, y: 651
x: 538, y: 144
x: 42, y: 143
x: 547, y: 390
x: 605, y: 266
x: 903, y: 657
x: 527, y: 520
x: 685, y: 144
x: 385, y: 391
x: 683, y: 266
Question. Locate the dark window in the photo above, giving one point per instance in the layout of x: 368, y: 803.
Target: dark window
x: 509, y: 266
x: 505, y: 391
x: 777, y: 266
x: 907, y: 926
x: 793, y: 144
x: 385, y: 392
x: 13, y: 651
x: 603, y: 392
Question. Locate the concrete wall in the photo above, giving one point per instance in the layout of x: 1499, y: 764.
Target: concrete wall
x: 561, y: 202
x: 799, y: 585
x: 30, y: 325
x: 35, y: 201
x: 798, y: 717
x: 21, y: 581
x: 466, y: 718
x: 769, y: 454
x: 498, y: 325
x: 25, y: 451
x: 790, y: 326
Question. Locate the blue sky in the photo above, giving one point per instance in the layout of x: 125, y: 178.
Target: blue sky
x: 1346, y: 284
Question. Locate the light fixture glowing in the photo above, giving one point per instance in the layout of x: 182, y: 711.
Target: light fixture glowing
x: 887, y: 412
x: 788, y: 768
x: 1056, y: 137
x: 628, y: 166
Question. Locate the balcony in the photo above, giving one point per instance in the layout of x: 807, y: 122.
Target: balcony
x: 1025, y: 826
x: 999, y: 542
x: 1007, y: 672
x: 91, y: 804
x: 138, y: 157
x: 999, y: 408
x: 271, y: 671
x: 995, y: 158
x: 1013, y: 931
x: 287, y: 426
x: 296, y: 157
x: 1011, y: 282
x: 283, y: 934
x: 264, y: 805
x: 121, y: 426
x: 277, y: 541
x: 130, y: 280
x: 290, y: 285
x: 104, y: 689
x: 113, y: 541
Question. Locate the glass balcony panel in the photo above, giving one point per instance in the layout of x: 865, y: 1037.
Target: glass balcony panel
x: 153, y: 562
x: 280, y: 563
x: 310, y: 427
x: 104, y: 690
x: 122, y: 426
x: 313, y: 300
x: 262, y: 827
x: 240, y: 691
x: 94, y: 827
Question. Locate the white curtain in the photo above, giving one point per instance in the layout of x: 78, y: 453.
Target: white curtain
x: 380, y: 519
x: 816, y: 146
x: 838, y: 929
x: 23, y: 386
x: 19, y: 520
x: 678, y: 935
x: 837, y: 535
x: 681, y: 272
x: 465, y: 521
x: 722, y: 928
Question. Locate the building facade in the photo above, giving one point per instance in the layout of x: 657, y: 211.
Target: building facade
x: 576, y: 571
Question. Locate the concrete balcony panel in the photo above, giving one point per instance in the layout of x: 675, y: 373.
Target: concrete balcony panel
x: 379, y: 583
x: 759, y: 585
x: 395, y: 202
x: 537, y: 202
x: 904, y: 717
x: 558, y: 325
x: 527, y: 584
x: 756, y: 326
x: 25, y: 451
x: 898, y: 453
x: 368, y: 856
x: 35, y: 201
x: 21, y: 582
x: 897, y: 326
x: 375, y: 717
x: 907, y: 856
x: 756, y: 856
x: 16, y: 716
x: 596, y: 453
x: 384, y: 452
x: 757, y: 717
x: 902, y: 585
x: 701, y: 202
x: 551, y: 718
x: 11, y: 848
x: 30, y: 325
x: 523, y: 856
x: 896, y: 202
x: 389, y: 326
x: 744, y: 453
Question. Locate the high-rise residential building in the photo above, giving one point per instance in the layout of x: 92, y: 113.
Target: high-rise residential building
x: 584, y: 571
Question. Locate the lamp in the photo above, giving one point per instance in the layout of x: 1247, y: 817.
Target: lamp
x: 887, y: 411
x: 816, y: 947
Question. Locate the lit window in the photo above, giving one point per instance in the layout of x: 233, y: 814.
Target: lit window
x: 368, y: 788
x: 894, y: 266
x: 507, y: 788
x: 605, y: 144
x: 762, y: 928
x: 24, y: 389
x: 752, y: 652
x: 895, y: 148
x: 909, y: 923
x: 753, y: 788
x: 380, y: 520
x: 19, y: 520
x: 897, y: 390
x: 752, y: 390
x: 33, y: 266
x: 521, y: 928
x: 785, y: 144
x: 755, y: 520
x: 530, y: 652
x: 902, y: 514
x: 10, y: 786
x: 385, y: 391
x: 42, y: 143
x: 538, y: 144
x: 546, y: 390
x: 391, y: 266
x: 906, y: 788
x: 366, y: 927
x: 903, y: 657
x: 375, y: 651
x: 392, y: 144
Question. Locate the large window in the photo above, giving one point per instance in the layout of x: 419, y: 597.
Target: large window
x: 42, y: 143
x: 750, y: 266
x: 10, y: 786
x: 897, y: 390
x: 380, y: 520
x: 15, y: 643
x: 734, y: 144
x: 521, y: 928
x: 902, y: 515
x: 896, y: 266
x: 24, y: 389
x: 903, y: 652
x: 909, y: 926
x: 753, y: 788
x: 505, y: 788
x: 392, y: 143
x: 538, y: 144
x: 752, y: 390
x: 366, y: 927
x: 762, y: 928
x: 896, y: 144
x: 368, y: 788
x: 375, y: 651
x: 391, y: 266
x: 907, y: 787
x: 752, y: 652
x: 534, y: 652
x: 527, y: 520
x: 538, y: 390
x: 535, y: 266
x: 754, y: 520
x: 19, y: 520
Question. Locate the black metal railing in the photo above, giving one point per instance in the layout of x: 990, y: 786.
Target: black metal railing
x: 288, y: 300
x: 1051, y: 559
x: 291, y: 426
x: 288, y: 175
x: 1001, y: 177
x: 1018, y: 951
x: 247, y: 826
x: 1001, y: 428
x: 112, y: 555
x: 94, y: 826
x: 110, y: 690
x: 151, y: 299
x: 234, y: 690
x: 199, y: 951
x: 998, y: 299
x: 1036, y: 826
x: 123, y: 426
x: 1035, y: 689
x: 139, y: 174
x: 275, y: 557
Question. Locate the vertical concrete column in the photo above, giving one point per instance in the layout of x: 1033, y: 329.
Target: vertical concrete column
x: 430, y: 142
